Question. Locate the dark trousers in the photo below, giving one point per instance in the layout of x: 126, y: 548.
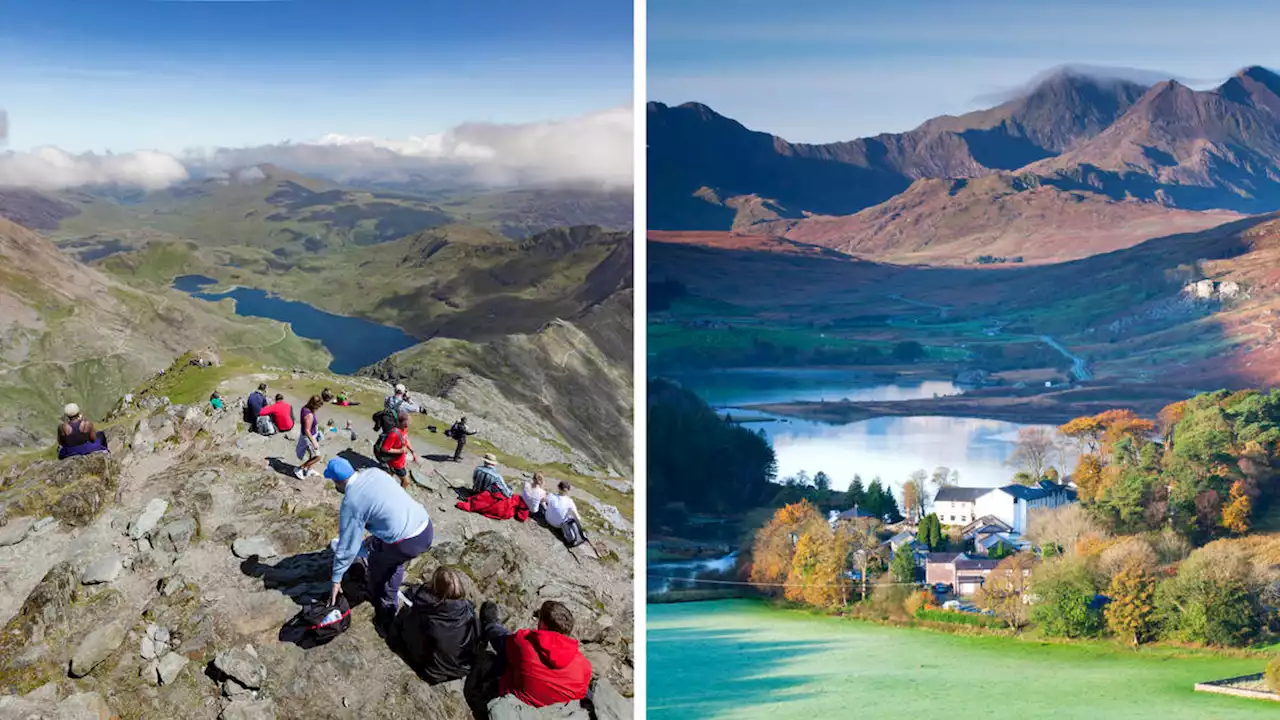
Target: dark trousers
x: 457, y: 452
x: 386, y: 568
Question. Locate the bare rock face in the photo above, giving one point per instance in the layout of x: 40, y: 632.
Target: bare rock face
x: 249, y: 710
x: 97, y: 647
x: 147, y: 521
x: 39, y: 705
x: 241, y: 670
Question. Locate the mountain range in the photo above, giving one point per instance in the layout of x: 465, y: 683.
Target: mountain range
x: 1077, y: 153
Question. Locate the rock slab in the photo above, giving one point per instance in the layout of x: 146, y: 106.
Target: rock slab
x: 241, y: 667
x: 146, y: 522
x: 102, y: 570
x: 15, y: 531
x: 170, y: 667
x: 97, y: 647
x: 245, y: 548
x: 249, y: 710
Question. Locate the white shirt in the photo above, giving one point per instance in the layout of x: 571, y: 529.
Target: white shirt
x: 559, y: 509
x: 533, y: 496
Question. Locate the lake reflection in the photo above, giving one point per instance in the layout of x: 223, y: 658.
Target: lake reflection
x: 888, y: 447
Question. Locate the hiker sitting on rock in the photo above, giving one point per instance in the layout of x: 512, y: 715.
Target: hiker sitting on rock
x: 396, y: 449
x: 253, y: 406
x: 486, y: 478
x: 77, y: 436
x: 215, y: 401
x: 280, y: 415
x: 534, y: 495
x: 539, y: 667
x: 562, y: 514
x: 400, y: 526
x: 459, y: 432
x: 438, y: 633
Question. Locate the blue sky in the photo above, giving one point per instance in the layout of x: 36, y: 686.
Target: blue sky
x: 124, y: 75
x: 826, y: 70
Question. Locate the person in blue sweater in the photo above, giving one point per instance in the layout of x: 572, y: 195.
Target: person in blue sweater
x: 401, y: 529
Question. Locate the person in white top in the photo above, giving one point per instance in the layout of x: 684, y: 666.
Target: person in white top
x: 560, y: 507
x: 533, y: 494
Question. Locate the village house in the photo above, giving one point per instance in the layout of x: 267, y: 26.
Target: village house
x: 957, y: 505
x: 1010, y: 504
x: 963, y: 573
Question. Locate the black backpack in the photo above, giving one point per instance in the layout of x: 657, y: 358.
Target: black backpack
x: 571, y: 533
x: 318, y: 623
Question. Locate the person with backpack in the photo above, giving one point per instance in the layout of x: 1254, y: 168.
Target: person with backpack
x: 394, y: 449
x: 279, y: 415
x: 459, y: 432
x: 438, y: 633
x: 400, y: 526
x: 399, y: 400
x: 486, y: 478
x: 534, y: 495
x: 77, y: 436
x: 253, y: 406
x: 539, y: 667
x: 309, y: 438
x: 562, y: 514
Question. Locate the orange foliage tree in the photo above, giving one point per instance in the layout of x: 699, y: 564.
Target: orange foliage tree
x: 1089, y: 477
x: 1131, y: 612
x: 1235, y: 514
x: 775, y: 544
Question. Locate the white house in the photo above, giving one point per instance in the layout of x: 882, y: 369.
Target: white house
x: 957, y: 505
x: 1012, y: 502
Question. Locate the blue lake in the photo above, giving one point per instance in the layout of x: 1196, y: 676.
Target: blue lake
x: 353, y: 342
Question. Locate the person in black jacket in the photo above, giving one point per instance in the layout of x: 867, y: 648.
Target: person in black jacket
x: 460, y: 432
x: 438, y: 634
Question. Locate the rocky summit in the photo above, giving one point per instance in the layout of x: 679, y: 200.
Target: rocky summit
x: 155, y: 582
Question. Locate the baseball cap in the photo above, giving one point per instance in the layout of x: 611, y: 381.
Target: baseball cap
x: 399, y: 388
x: 339, y: 470
x: 71, y: 410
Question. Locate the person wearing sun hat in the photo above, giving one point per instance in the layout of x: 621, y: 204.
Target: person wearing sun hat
x: 77, y: 436
x: 401, y: 528
x: 487, y: 478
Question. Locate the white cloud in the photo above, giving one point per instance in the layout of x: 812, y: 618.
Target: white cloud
x: 48, y: 168
x: 591, y: 149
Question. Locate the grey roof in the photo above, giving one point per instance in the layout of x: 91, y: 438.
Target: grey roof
x: 960, y: 494
x: 849, y: 514
x: 902, y: 537
x: 943, y: 557
x: 1043, y: 490
x: 969, y: 563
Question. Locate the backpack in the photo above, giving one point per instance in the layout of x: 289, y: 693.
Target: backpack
x: 378, y: 453
x: 265, y: 425
x: 571, y: 533
x: 318, y: 623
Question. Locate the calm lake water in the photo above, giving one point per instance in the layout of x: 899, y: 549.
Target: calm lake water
x: 747, y: 661
x: 888, y: 447
x: 353, y: 342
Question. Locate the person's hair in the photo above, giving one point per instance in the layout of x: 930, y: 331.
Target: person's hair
x: 556, y: 617
x: 315, y: 403
x: 448, y: 584
x: 262, y: 387
x: 565, y: 486
x: 537, y: 479
x: 214, y: 395
x: 402, y: 417
x: 279, y: 397
x: 326, y: 395
x: 463, y: 420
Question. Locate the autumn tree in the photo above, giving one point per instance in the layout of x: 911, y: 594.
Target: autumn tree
x: 817, y: 569
x: 1131, y: 614
x: 944, y: 477
x: 1235, y: 514
x: 1033, y: 450
x: 1089, y: 478
x: 1085, y: 432
x: 913, y: 495
x: 775, y: 544
x: 1004, y: 589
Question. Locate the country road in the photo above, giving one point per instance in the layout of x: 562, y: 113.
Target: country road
x: 1078, y: 366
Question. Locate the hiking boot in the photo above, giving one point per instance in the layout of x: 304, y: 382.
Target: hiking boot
x: 488, y: 614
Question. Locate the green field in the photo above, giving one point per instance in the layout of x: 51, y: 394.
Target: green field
x: 744, y: 659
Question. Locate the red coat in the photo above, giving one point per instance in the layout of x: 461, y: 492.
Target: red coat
x: 544, y: 668
x: 492, y: 505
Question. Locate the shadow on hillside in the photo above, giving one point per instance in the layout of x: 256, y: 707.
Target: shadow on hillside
x: 358, y: 461
x: 305, y: 577
x: 713, y: 672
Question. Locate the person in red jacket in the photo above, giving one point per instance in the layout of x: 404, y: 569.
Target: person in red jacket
x: 281, y: 413
x: 540, y: 667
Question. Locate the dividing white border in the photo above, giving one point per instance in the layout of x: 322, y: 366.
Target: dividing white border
x: 639, y: 369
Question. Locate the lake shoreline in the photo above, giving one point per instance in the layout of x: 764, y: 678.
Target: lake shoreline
x: 1002, y: 404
